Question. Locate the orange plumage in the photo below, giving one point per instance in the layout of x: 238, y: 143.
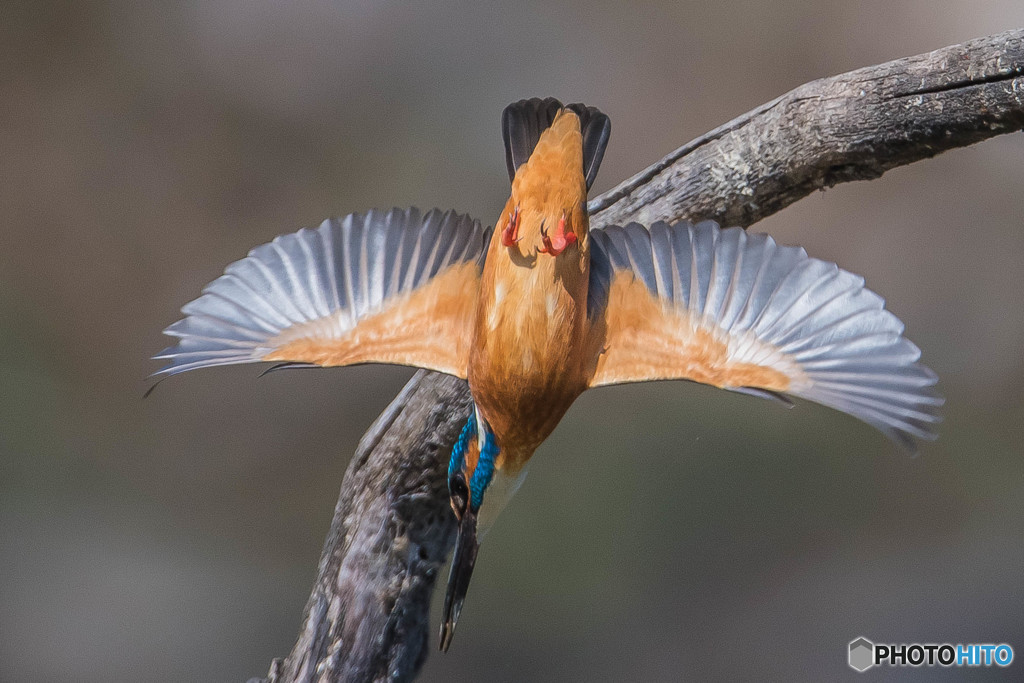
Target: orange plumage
x: 546, y: 309
x: 525, y: 365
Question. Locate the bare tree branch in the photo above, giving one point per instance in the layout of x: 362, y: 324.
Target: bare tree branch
x: 392, y: 530
x: 854, y: 126
x: 368, y: 616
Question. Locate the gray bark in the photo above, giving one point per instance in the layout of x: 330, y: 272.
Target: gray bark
x: 368, y: 618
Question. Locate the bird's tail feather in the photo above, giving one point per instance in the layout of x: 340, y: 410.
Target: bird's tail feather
x: 523, y: 122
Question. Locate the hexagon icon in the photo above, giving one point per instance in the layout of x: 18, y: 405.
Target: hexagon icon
x: 862, y: 654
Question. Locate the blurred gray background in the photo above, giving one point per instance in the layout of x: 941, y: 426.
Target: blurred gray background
x: 665, y: 530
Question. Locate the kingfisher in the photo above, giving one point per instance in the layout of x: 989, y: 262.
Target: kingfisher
x: 542, y: 307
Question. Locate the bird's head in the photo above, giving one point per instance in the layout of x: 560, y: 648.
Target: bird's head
x: 472, y: 471
x: 466, y: 495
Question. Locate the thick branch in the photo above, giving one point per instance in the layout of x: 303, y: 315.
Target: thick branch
x: 366, y: 619
x: 368, y: 616
x: 854, y: 126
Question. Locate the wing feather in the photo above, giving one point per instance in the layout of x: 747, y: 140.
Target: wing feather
x: 738, y: 311
x: 392, y: 287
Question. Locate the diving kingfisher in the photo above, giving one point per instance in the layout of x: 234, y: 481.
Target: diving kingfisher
x: 542, y: 308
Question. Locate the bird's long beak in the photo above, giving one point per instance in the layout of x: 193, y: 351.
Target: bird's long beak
x: 458, y: 579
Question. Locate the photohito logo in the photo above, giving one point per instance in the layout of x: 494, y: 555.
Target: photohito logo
x: 863, y: 654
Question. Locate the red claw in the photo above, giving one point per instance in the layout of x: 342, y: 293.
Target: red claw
x: 559, y: 242
x: 510, y: 234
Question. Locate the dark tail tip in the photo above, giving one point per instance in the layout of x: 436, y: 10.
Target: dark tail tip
x: 523, y: 122
x: 597, y: 129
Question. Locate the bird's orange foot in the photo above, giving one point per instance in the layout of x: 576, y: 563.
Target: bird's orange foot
x: 510, y: 234
x: 558, y: 242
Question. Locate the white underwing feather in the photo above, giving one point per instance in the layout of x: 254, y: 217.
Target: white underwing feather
x: 331, y: 276
x: 778, y: 307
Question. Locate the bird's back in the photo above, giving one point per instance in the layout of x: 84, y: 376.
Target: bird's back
x: 526, y: 365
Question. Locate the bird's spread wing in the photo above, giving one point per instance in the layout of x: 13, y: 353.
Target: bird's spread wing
x: 386, y: 287
x: 737, y: 311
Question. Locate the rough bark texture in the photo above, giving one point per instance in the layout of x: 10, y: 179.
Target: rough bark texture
x: 854, y: 126
x: 368, y: 616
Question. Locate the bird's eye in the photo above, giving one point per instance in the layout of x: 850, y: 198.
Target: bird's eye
x: 458, y: 492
